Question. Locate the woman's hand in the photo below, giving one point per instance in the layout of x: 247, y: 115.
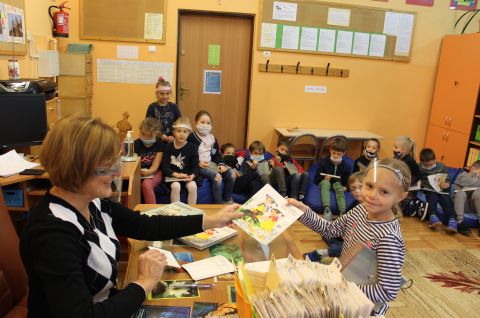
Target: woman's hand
x: 150, y: 269
x: 298, y: 205
x: 222, y: 218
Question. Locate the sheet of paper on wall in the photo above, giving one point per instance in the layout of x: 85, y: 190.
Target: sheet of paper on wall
x: 212, y: 82
x: 404, y: 34
x: 344, y: 42
x: 361, y: 42
x: 326, y: 40
x: 284, y: 11
x: 214, y: 54
x: 14, y: 24
x: 315, y: 89
x: 269, y: 35
x: 340, y: 17
x: 2, y: 23
x: 127, y: 52
x: 153, y: 29
x: 402, y: 46
x: 390, y: 24
x: 133, y: 72
x: 377, y: 45
x: 290, y: 37
x: 308, y: 39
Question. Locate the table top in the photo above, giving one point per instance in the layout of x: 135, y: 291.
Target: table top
x: 251, y: 250
x: 325, y: 133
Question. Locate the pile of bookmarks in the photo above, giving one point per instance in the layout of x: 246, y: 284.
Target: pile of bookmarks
x: 301, y: 288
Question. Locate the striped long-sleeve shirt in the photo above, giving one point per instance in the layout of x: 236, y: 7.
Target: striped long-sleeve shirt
x: 385, y: 238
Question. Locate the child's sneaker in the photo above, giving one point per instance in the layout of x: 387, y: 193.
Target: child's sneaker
x: 301, y: 197
x: 452, y: 226
x: 423, y: 211
x: 434, y: 222
x: 463, y: 229
x: 327, y: 214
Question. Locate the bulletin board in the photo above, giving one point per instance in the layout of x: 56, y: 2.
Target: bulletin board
x: 123, y: 20
x: 19, y: 45
x: 340, y: 29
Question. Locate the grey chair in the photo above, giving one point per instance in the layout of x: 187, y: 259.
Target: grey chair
x: 303, y: 148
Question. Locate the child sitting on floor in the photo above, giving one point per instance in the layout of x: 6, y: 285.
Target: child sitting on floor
x: 370, y: 151
x: 467, y: 195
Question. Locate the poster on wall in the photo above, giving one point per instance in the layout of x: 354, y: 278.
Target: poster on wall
x: 466, y: 5
x: 2, y: 23
x: 427, y: 3
x: 212, y: 82
x: 15, y: 24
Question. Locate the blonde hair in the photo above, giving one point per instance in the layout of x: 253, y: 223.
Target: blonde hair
x: 401, y: 171
x: 74, y: 147
x: 150, y: 124
x: 182, y: 122
x: 407, y: 143
x: 357, y: 176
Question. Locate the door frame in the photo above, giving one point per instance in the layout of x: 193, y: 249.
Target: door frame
x: 251, y: 17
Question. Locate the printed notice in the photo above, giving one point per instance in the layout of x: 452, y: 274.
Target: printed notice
x: 133, y: 72
x: 326, y: 40
x: 284, y: 11
x: 308, y: 40
x: 402, y: 45
x: 290, y: 37
x: 340, y: 17
x: 315, y: 89
x: 377, y: 45
x: 269, y: 35
x: 153, y: 26
x: 360, y: 43
x: 344, y: 42
x: 212, y: 82
x: 390, y: 24
x: 127, y: 52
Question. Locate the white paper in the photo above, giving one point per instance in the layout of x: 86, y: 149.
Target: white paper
x: 153, y: 27
x: 390, y: 24
x: 284, y: 11
x: 3, y: 29
x: 340, y: 17
x: 436, y: 179
x: 361, y: 42
x: 315, y: 89
x: 133, y: 72
x: 268, y: 37
x: 171, y: 260
x: 308, y: 40
x: 405, y: 24
x: 344, y: 42
x: 264, y: 266
x: 377, y: 45
x: 402, y: 45
x: 127, y: 52
x: 209, y: 267
x: 290, y: 37
x: 11, y: 163
x: 326, y: 40
x: 14, y: 24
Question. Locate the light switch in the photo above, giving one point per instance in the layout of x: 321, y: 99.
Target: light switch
x: 152, y: 48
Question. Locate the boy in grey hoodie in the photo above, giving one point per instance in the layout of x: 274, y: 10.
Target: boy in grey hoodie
x: 466, y: 196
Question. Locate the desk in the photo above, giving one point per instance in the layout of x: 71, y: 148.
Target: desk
x: 36, y: 186
x: 352, y: 135
x: 251, y: 250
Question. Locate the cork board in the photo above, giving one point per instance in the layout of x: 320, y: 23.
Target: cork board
x: 123, y: 20
x: 364, y: 23
x: 8, y: 47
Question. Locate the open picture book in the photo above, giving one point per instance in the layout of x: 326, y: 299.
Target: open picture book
x: 434, y: 180
x: 266, y: 215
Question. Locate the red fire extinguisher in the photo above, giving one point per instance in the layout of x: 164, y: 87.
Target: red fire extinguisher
x: 60, y: 20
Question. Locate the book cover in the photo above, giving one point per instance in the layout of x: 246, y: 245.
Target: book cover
x: 209, y: 237
x: 266, y: 215
x: 263, y: 168
x: 290, y: 168
x: 436, y: 179
x: 174, y: 209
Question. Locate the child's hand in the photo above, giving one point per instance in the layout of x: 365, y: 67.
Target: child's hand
x: 170, y: 139
x: 179, y: 175
x: 164, y: 137
x: 271, y: 162
x: 344, y: 189
x: 203, y: 164
x: 222, y: 218
x: 222, y: 169
x: 327, y: 178
x: 444, y: 185
x: 298, y: 204
x: 190, y: 177
x: 254, y: 164
x: 278, y: 158
x: 144, y: 172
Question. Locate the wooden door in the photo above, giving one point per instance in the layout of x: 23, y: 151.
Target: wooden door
x: 199, y: 37
x: 436, y: 140
x: 456, y: 145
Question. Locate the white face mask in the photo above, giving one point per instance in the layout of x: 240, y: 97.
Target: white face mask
x: 369, y: 154
x: 337, y: 161
x: 204, y: 129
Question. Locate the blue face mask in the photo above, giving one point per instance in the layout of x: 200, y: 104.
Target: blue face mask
x: 429, y: 168
x: 257, y: 158
x: 148, y: 142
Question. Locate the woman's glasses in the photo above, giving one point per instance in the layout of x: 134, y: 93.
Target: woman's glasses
x: 116, y: 168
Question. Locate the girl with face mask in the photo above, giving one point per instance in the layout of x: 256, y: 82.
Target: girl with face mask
x: 370, y: 152
x: 212, y: 165
x: 151, y: 152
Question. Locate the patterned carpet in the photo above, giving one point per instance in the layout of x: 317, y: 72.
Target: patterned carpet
x: 446, y: 284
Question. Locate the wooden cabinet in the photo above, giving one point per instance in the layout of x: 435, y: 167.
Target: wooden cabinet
x: 455, y: 98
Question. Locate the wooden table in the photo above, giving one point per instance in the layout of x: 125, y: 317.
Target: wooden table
x: 36, y: 186
x: 251, y: 250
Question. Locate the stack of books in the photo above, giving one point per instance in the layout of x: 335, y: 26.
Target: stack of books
x: 473, y: 156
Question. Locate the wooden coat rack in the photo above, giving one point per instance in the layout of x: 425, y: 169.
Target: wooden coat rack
x: 304, y: 70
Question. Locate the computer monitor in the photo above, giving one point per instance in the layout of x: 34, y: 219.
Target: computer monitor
x: 23, y: 119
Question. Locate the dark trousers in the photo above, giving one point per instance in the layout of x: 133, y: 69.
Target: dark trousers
x: 297, y: 184
x: 445, y: 202
x: 248, y: 183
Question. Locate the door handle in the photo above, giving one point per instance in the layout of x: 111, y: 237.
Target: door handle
x: 446, y: 137
x: 183, y: 89
x: 445, y: 121
x: 443, y: 136
x: 450, y: 121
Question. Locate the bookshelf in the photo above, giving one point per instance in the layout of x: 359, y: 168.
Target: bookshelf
x: 473, y: 153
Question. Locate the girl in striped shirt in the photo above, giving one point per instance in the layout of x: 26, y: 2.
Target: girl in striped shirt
x: 375, y: 223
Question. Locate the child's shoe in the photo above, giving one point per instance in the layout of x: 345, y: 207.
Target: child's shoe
x: 452, y: 226
x: 423, y: 211
x: 327, y: 214
x: 434, y: 222
x: 301, y: 197
x: 463, y: 229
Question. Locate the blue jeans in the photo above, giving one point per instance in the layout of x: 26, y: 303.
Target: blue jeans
x: 228, y: 178
x: 297, y: 184
x: 445, y: 202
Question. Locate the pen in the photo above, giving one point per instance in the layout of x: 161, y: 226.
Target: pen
x: 193, y: 285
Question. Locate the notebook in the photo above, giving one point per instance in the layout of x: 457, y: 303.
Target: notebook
x: 209, y: 237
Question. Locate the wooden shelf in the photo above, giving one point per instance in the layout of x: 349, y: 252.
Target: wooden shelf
x: 475, y: 143
x: 37, y: 192
x: 17, y: 209
x: 477, y: 116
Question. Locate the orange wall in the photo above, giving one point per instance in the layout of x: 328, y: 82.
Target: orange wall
x: 388, y: 98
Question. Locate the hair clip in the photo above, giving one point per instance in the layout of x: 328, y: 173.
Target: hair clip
x: 161, y: 79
